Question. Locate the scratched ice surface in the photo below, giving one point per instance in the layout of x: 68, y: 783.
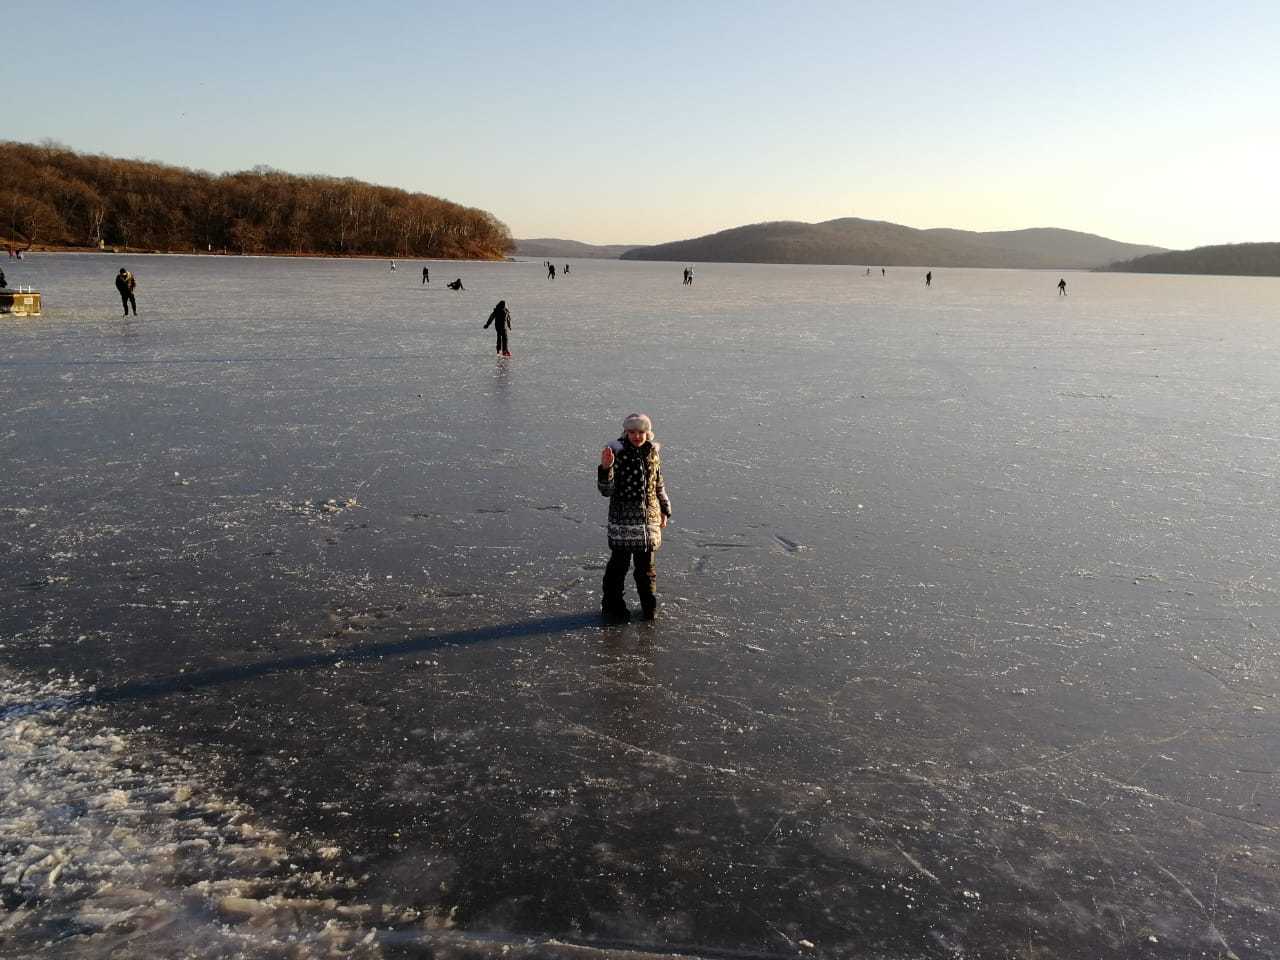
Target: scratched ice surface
x: 967, y: 647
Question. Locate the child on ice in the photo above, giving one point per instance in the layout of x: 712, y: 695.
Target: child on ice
x: 501, y: 319
x: 630, y: 475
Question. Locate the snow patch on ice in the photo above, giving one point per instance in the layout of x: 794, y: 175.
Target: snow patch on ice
x: 108, y: 848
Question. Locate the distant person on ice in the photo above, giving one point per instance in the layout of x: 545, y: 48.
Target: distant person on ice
x: 551, y: 271
x: 1062, y: 287
x: 630, y: 475
x: 501, y: 320
x: 426, y: 275
x: 125, y: 283
x: 928, y: 279
x: 456, y: 285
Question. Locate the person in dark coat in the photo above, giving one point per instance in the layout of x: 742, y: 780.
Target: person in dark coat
x: 501, y: 319
x: 630, y: 475
x: 456, y: 285
x: 426, y: 275
x: 125, y: 283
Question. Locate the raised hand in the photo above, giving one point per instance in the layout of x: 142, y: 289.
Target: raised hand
x: 606, y: 458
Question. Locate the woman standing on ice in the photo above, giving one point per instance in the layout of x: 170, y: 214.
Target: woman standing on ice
x: 630, y: 475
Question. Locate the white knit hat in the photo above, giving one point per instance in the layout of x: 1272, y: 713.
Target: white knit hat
x: 638, y: 421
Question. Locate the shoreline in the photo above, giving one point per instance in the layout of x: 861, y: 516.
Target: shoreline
x: 95, y: 251
x: 524, y: 259
x: 112, y: 251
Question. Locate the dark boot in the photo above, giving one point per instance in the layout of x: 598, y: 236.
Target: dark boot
x: 649, y: 607
x: 612, y: 606
x: 615, y: 612
x: 646, y: 583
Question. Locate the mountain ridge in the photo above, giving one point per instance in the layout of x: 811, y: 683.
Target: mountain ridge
x: 557, y: 248
x: 856, y: 241
x: 1224, y: 259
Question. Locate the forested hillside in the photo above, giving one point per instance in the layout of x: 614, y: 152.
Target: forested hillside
x: 51, y: 195
x: 1230, y: 259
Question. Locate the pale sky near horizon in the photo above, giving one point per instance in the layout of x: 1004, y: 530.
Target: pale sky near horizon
x: 616, y: 122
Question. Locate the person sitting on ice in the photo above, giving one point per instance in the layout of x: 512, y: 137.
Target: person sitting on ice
x: 456, y: 285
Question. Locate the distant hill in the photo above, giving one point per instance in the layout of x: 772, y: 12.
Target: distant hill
x: 1229, y: 259
x: 851, y: 240
x: 558, y: 249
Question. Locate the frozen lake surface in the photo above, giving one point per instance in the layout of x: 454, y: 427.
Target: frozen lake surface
x: 967, y: 649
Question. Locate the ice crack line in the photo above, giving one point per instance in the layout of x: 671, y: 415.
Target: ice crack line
x: 666, y: 758
x: 916, y: 863
x: 645, y: 751
x: 1213, y: 928
x: 1144, y: 792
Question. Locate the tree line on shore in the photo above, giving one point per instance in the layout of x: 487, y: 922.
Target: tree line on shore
x: 1228, y: 259
x: 54, y: 196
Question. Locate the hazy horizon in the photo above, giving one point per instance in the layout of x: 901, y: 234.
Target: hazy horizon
x: 607, y: 124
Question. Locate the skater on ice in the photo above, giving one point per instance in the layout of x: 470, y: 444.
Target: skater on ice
x: 125, y: 284
x: 630, y: 475
x: 500, y: 317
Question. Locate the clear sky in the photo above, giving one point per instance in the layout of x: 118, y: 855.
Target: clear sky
x: 640, y: 122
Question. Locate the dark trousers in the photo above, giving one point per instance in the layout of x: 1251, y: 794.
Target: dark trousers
x: 127, y: 298
x: 502, y: 340
x: 615, y: 575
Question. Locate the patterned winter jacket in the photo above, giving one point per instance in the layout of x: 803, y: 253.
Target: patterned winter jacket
x: 637, y: 497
